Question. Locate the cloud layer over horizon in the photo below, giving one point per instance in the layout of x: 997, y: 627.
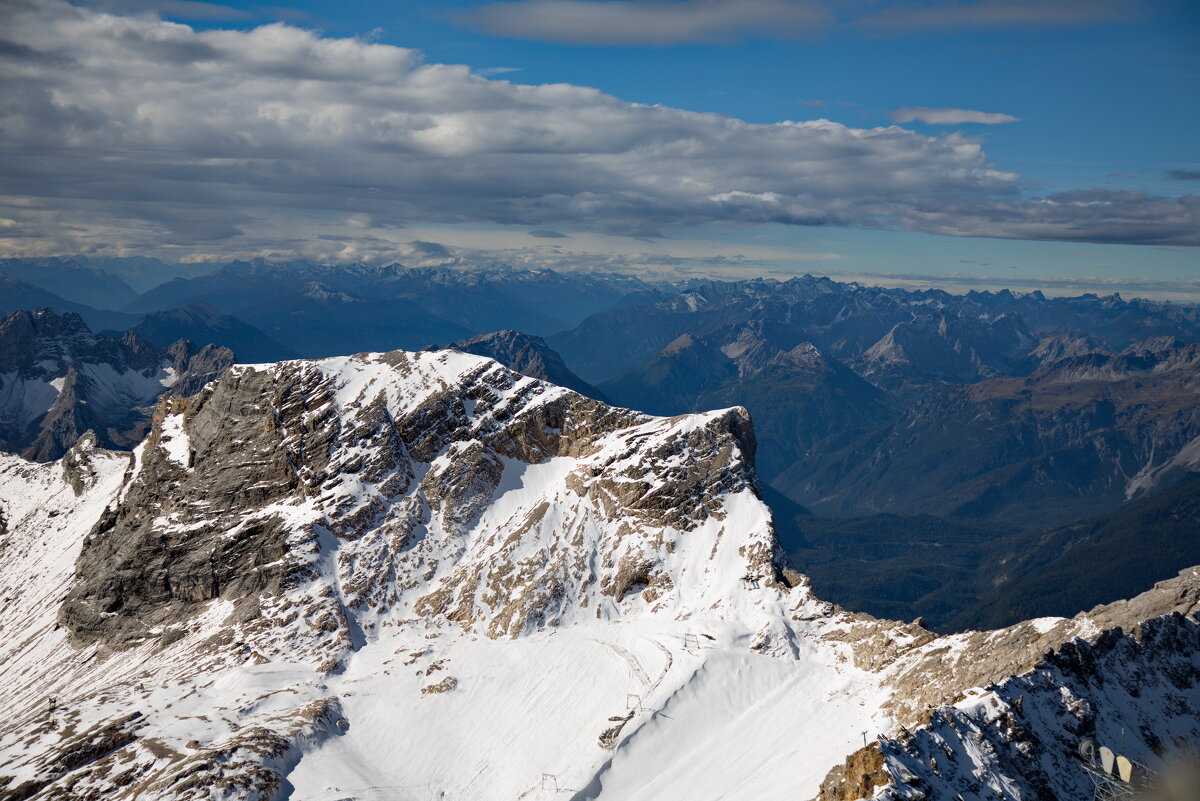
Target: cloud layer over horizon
x: 133, y: 132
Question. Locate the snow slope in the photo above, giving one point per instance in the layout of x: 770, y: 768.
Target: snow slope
x: 410, y: 576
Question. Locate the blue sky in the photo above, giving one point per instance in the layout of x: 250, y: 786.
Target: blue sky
x: 1094, y: 99
x: 1106, y: 96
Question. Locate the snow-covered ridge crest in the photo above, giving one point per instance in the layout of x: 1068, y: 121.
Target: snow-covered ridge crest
x: 401, y: 576
x: 384, y: 487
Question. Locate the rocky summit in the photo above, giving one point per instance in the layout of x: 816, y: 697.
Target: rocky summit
x: 59, y: 380
x: 424, y: 575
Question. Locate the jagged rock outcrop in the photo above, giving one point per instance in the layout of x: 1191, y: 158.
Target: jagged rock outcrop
x: 1011, y: 705
x: 528, y: 355
x: 1138, y: 693
x: 59, y: 380
x: 356, y: 576
x: 1057, y: 347
x: 235, y: 487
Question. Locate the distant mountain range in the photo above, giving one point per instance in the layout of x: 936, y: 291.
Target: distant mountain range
x: 796, y: 394
x: 199, y: 322
x: 864, y: 398
x: 72, y: 279
x: 916, y: 434
x: 1079, y: 435
x: 17, y: 295
x: 409, y: 307
x: 848, y: 320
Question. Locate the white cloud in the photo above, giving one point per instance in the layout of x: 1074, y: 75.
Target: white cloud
x: 179, y: 9
x: 649, y: 22
x: 135, y: 133
x: 488, y: 72
x: 667, y: 22
x: 949, y: 116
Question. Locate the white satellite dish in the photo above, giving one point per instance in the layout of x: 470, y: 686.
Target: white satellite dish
x: 1107, y: 758
x: 1124, y: 768
x: 1087, y: 750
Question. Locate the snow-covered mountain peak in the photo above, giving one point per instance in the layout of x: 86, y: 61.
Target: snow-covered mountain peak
x: 437, y: 486
x: 412, y: 575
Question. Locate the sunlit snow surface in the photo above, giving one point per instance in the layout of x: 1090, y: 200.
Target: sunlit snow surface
x: 719, y: 688
x: 715, y: 721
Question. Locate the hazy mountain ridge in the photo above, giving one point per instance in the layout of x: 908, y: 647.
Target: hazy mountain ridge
x: 1078, y: 435
x: 72, y: 279
x: 22, y: 296
x: 797, y: 395
x: 848, y: 319
x: 199, y: 322
x: 461, y: 302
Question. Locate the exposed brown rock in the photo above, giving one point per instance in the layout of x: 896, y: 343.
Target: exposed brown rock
x: 857, y: 778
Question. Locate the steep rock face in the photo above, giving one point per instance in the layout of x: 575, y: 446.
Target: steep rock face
x: 405, y: 457
x: 1137, y: 693
x: 1060, y: 346
x: 58, y: 380
x: 1001, y: 712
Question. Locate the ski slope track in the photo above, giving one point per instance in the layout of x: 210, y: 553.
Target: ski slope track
x: 413, y: 576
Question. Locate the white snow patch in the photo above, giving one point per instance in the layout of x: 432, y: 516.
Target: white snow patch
x: 173, y: 439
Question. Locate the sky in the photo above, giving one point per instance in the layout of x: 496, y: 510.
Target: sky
x: 1048, y: 144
